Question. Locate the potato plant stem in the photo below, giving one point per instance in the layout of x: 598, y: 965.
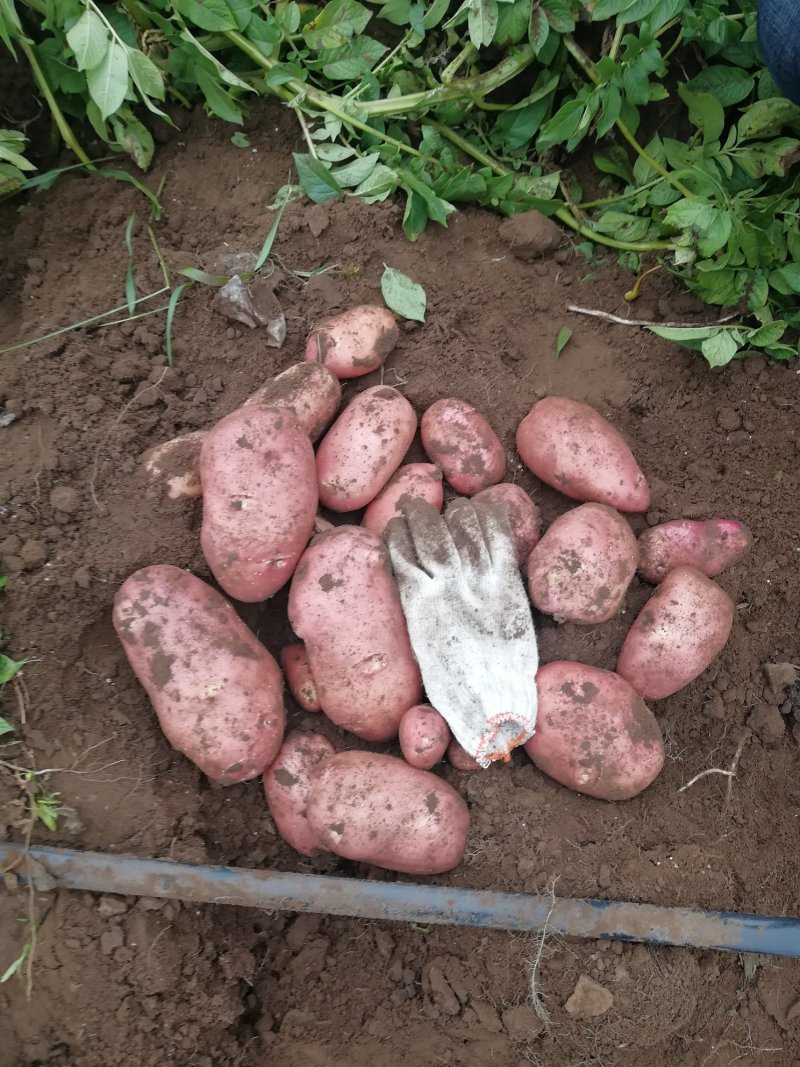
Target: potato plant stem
x: 562, y: 213
x: 64, y: 128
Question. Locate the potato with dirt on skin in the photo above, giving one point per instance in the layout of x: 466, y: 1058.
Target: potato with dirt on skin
x: 424, y: 736
x: 287, y: 785
x: 414, y: 481
x: 364, y: 447
x: 355, y: 342
x: 310, y: 391
x: 523, y: 515
x: 594, y: 733
x: 259, y: 500
x: 175, y: 466
x: 678, y: 633
x: 711, y: 546
x: 345, y: 605
x: 460, y: 759
x: 458, y: 439
x: 571, y: 447
x: 300, y: 680
x: 217, y: 692
x: 582, y: 567
x: 377, y: 809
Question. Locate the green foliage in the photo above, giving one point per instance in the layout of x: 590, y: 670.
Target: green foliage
x: 448, y: 103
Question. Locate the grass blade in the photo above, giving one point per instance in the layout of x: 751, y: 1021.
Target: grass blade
x: 80, y: 325
x: 123, y: 176
x: 130, y: 284
x: 173, y: 303
x: 159, y: 257
x: 266, y: 248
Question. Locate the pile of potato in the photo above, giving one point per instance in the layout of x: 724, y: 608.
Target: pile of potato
x: 218, y: 692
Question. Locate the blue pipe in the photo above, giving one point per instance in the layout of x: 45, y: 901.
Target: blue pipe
x: 99, y: 872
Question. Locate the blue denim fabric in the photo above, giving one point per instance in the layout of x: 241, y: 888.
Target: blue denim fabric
x: 779, y: 41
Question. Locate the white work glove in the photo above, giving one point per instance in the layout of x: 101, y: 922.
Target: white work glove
x: 469, y: 620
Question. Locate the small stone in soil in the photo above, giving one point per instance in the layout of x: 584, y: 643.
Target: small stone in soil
x: 780, y: 675
x: 33, y: 554
x: 767, y: 722
x: 531, y: 235
x: 728, y: 419
x: 66, y: 499
x: 589, y: 998
x: 522, y: 1023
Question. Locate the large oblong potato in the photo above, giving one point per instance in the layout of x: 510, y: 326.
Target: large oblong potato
x: 573, y: 448
x: 355, y: 342
x: 310, y: 391
x: 216, y: 690
x: 523, y: 515
x: 594, y: 733
x: 379, y: 810
x: 364, y: 447
x: 711, y: 546
x: 458, y: 439
x: 344, y: 603
x: 414, y: 481
x: 259, y: 500
x: 287, y: 785
x: 681, y: 629
x: 582, y: 567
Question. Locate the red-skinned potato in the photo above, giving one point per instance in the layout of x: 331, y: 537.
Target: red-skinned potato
x: 681, y: 629
x: 216, y: 690
x: 424, y: 736
x: 355, y: 342
x: 711, y: 546
x: 175, y: 466
x: 523, y: 515
x: 287, y: 785
x: 344, y: 604
x: 364, y: 447
x: 414, y: 481
x: 310, y: 391
x: 459, y: 758
x: 573, y: 448
x: 594, y: 733
x: 379, y: 810
x: 294, y: 660
x: 259, y: 500
x: 582, y: 567
x: 458, y: 439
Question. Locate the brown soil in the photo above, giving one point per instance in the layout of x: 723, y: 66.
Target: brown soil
x: 124, y: 981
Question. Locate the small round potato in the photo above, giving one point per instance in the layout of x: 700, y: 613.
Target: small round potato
x: 414, y: 481
x: 379, y: 810
x: 294, y: 660
x: 458, y: 439
x: 174, y: 466
x: 680, y: 631
x: 364, y: 448
x: 582, y: 567
x: 287, y: 784
x: 711, y: 546
x: 523, y: 515
x: 573, y: 448
x: 344, y: 603
x: 355, y: 342
x: 259, y: 500
x: 594, y: 733
x: 459, y: 758
x: 217, y: 692
x: 424, y: 736
x: 310, y: 391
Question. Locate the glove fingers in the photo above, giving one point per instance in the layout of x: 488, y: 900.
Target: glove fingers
x: 465, y: 529
x: 431, y: 538
x: 406, y: 567
x: 497, y: 535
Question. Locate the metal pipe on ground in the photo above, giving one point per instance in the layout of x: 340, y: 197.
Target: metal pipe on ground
x: 100, y: 872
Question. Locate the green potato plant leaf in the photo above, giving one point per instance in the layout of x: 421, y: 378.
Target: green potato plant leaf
x: 402, y: 295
